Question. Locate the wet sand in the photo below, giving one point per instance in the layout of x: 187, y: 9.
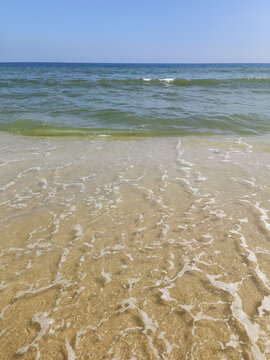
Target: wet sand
x: 139, y: 249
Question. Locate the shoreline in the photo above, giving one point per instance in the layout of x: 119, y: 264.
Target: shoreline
x: 139, y: 248
x: 116, y: 134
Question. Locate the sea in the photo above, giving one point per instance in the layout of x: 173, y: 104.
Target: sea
x: 141, y: 99
x: 134, y: 211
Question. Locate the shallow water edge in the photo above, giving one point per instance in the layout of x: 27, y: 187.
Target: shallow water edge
x: 152, y: 248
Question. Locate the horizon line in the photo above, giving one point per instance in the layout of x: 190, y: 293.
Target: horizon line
x: 128, y: 63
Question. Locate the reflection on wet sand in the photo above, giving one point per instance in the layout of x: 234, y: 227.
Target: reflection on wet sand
x: 139, y: 249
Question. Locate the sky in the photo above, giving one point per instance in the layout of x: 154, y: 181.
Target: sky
x: 166, y: 31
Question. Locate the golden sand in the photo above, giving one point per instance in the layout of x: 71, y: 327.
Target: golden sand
x: 140, y: 249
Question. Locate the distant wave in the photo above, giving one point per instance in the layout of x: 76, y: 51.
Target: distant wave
x: 106, y: 82
x: 206, y: 81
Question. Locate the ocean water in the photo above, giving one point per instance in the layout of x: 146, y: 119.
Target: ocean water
x: 141, y: 99
x: 144, y: 232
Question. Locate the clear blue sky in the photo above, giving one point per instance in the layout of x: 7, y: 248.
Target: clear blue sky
x: 135, y: 30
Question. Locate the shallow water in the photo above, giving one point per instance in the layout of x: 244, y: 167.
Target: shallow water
x: 140, y: 249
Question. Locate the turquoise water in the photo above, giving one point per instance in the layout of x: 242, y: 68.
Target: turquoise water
x: 134, y: 99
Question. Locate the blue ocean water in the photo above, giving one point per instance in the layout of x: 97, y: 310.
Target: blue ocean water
x: 140, y: 99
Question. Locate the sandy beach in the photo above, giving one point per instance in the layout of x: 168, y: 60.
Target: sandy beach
x: 134, y: 249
